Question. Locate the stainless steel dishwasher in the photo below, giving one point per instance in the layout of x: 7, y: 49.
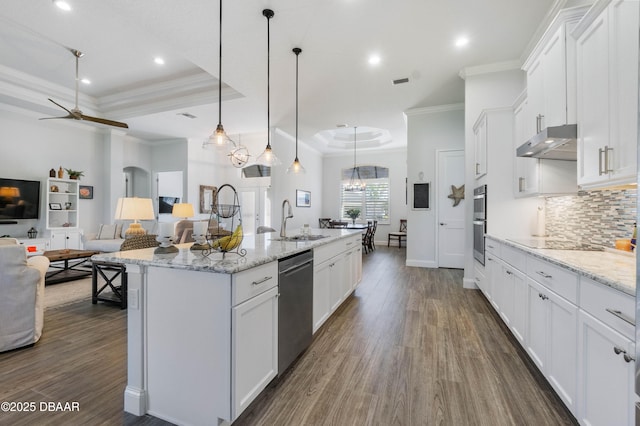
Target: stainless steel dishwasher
x: 295, y: 307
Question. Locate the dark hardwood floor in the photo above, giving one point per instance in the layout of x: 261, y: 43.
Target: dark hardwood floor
x: 411, y: 347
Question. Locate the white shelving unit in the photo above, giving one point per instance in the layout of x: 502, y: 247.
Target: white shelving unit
x: 62, y: 216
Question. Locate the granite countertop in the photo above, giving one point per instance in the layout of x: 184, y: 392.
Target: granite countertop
x: 610, y: 267
x: 261, y: 249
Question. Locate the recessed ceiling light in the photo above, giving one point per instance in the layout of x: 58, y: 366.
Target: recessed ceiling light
x: 374, y: 59
x: 85, y: 81
x: 158, y: 60
x: 61, y: 4
x: 462, y: 41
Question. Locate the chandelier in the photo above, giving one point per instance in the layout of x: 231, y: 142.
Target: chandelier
x: 356, y: 184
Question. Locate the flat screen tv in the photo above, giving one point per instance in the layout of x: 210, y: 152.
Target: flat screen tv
x: 19, y: 199
x: 166, y: 204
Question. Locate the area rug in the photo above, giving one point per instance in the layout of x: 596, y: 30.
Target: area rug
x: 56, y: 295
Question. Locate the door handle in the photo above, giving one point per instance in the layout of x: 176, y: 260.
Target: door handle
x: 442, y: 224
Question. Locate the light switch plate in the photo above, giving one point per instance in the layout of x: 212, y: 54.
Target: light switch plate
x: 132, y: 298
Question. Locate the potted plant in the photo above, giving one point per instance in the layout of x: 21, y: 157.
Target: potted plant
x: 353, y: 214
x: 74, y: 174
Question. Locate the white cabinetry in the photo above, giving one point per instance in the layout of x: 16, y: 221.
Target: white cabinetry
x: 606, y: 371
x: 606, y: 350
x: 535, y: 176
x: 480, y: 144
x: 607, y: 92
x: 63, y: 214
x: 551, y: 75
x: 62, y: 203
x: 254, y: 343
x: 551, y: 339
x: 35, y: 245
x: 65, y: 239
x: 337, y: 270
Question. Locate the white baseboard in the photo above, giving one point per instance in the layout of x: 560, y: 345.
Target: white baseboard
x: 421, y: 263
x: 469, y: 283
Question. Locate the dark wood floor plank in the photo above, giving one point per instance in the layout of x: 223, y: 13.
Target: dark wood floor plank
x: 410, y: 347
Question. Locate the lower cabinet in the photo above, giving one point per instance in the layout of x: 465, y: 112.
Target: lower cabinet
x: 337, y: 271
x: 606, y: 372
x: 254, y: 341
x: 66, y: 239
x: 552, y: 339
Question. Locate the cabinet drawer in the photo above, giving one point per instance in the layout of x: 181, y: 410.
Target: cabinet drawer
x: 327, y: 251
x: 608, y: 305
x: 492, y: 246
x: 555, y: 278
x: 514, y: 257
x: 252, y: 282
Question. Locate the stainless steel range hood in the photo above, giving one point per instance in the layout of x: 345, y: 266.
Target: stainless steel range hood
x: 553, y: 143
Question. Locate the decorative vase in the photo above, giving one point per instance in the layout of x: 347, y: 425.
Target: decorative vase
x: 353, y: 220
x: 52, y: 173
x: 74, y: 177
x: 32, y: 233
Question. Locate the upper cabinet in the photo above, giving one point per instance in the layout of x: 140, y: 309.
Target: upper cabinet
x: 551, y: 76
x: 533, y: 176
x: 607, y: 93
x: 480, y: 142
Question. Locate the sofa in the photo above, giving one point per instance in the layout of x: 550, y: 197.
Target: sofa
x: 21, y: 295
x: 110, y: 237
x: 183, y: 231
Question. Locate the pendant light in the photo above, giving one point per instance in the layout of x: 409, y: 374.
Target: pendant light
x: 296, y: 167
x: 268, y: 158
x: 219, y: 138
x: 356, y: 184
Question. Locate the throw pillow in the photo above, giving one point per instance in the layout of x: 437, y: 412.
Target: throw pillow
x: 106, y: 232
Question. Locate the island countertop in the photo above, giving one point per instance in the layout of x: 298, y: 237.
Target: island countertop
x: 261, y: 249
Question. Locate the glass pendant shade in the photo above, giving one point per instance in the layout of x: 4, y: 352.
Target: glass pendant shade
x: 356, y: 184
x: 296, y: 168
x: 268, y: 157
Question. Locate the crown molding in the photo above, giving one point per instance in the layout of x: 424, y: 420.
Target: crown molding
x: 434, y: 109
x: 511, y: 65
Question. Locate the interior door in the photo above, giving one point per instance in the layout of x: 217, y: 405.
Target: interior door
x: 450, y: 209
x: 256, y: 207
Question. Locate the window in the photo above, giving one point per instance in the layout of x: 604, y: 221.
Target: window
x: 373, y: 202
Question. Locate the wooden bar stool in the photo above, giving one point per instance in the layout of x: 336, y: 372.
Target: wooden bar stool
x: 402, y: 233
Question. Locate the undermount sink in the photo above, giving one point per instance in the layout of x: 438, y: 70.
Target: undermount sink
x: 299, y: 238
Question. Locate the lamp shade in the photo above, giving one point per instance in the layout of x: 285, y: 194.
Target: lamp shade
x: 134, y: 209
x: 183, y: 210
x: 9, y: 191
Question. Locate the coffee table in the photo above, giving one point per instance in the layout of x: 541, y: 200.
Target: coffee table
x: 68, y: 265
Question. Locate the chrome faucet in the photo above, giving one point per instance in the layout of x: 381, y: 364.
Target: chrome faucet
x: 283, y: 226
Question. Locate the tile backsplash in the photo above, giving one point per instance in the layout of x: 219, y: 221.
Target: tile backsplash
x: 596, y: 217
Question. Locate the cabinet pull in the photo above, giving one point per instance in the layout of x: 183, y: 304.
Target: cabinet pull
x: 542, y: 296
x: 622, y: 316
x: 547, y: 276
x: 539, y: 118
x: 490, y: 246
x: 477, y: 166
x: 607, y: 169
x: 509, y: 272
x: 261, y: 281
x: 521, y: 184
x: 625, y: 355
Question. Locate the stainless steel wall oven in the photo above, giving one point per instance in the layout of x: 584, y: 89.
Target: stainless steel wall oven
x: 479, y: 221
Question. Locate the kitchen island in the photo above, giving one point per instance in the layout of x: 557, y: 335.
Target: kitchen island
x: 203, y: 331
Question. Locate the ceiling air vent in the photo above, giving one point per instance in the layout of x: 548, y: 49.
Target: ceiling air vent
x: 186, y: 114
x: 400, y: 81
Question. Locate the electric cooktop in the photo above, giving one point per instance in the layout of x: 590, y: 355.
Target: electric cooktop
x: 557, y: 244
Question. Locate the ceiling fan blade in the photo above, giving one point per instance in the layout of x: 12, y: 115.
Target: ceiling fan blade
x: 104, y: 121
x: 69, y: 111
x: 58, y: 118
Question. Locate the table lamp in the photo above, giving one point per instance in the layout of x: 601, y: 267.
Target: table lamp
x: 183, y: 210
x: 134, y: 208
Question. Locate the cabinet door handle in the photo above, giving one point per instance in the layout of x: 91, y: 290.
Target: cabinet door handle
x: 521, y: 185
x: 261, y: 281
x: 442, y: 224
x: 539, y: 118
x: 542, y: 296
x: 603, y: 162
x: 547, y: 276
x: 477, y: 167
x: 628, y: 358
x: 618, y: 350
x: 509, y: 272
x: 623, y: 317
x: 607, y: 169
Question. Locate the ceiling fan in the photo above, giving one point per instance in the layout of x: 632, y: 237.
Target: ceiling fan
x: 75, y: 113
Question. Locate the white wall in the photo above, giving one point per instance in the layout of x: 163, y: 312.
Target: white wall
x: 428, y: 130
x: 395, y: 160
x: 490, y: 90
x: 29, y: 148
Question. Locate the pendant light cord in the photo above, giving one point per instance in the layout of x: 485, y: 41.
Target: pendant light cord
x: 297, y: 52
x: 220, y: 71
x: 268, y: 81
